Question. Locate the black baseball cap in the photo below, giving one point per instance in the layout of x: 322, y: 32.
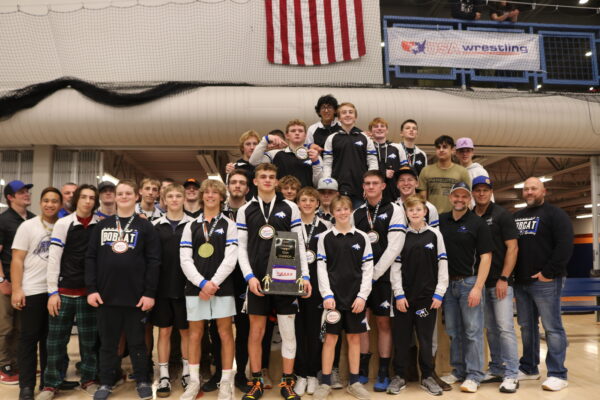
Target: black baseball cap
x: 460, y: 185
x: 106, y: 185
x: 405, y: 169
x: 191, y: 181
x: 13, y: 187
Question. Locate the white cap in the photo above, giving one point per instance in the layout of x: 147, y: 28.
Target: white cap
x: 327, y: 184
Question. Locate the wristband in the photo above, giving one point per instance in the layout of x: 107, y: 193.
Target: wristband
x: 53, y: 293
x: 202, y: 284
x: 400, y: 297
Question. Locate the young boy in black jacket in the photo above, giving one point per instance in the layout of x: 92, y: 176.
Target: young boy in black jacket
x: 419, y: 280
x: 121, y: 277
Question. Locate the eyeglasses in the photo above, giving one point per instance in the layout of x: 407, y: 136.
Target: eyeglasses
x: 326, y: 107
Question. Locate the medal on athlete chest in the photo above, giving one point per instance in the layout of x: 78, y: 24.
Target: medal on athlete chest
x: 207, y: 249
x: 121, y: 245
x: 310, y: 256
x: 301, y: 153
x: 266, y: 232
x: 372, y: 234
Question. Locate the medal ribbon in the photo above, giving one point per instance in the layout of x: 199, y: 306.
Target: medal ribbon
x: 262, y: 208
x: 208, y: 233
x: 310, y: 233
x: 120, y: 231
x: 369, y: 219
x: 410, y: 158
x: 379, y: 146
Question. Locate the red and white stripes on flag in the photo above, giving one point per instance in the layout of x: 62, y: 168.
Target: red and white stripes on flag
x: 314, y: 32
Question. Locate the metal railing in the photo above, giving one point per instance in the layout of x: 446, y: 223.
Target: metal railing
x: 569, y: 54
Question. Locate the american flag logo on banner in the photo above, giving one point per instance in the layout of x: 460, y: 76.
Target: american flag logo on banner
x: 314, y: 32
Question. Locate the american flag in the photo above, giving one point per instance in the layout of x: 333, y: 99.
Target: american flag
x: 314, y: 32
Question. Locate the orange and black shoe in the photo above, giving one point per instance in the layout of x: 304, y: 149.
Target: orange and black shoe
x: 255, y: 390
x: 287, y: 388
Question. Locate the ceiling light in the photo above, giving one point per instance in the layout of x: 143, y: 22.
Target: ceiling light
x: 382, y: 44
x: 216, y: 177
x: 582, y: 216
x: 108, y: 177
x: 588, y: 53
x: 2, y: 205
x: 583, y: 1
x: 520, y: 205
x: 590, y: 205
x: 591, y: 88
x: 539, y: 86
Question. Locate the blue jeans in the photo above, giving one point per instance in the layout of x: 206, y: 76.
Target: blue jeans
x: 535, y: 300
x: 499, y: 322
x: 464, y: 325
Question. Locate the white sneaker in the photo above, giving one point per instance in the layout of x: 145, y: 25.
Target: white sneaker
x: 300, y: 386
x: 191, y: 391
x: 336, y: 381
x: 358, y: 390
x: 524, y: 377
x: 312, y: 385
x: 450, y: 379
x: 322, y: 392
x: 509, y: 385
x: 226, y: 389
x: 554, y: 384
x: 469, y: 386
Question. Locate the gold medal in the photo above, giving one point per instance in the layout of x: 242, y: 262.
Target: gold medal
x: 120, y: 246
x: 266, y: 232
x: 206, y: 250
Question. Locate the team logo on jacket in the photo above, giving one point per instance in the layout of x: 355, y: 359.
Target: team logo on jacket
x: 429, y: 246
x: 280, y: 214
x: 359, y: 143
x: 356, y: 246
x: 219, y: 231
x: 392, y: 156
x: 528, y: 226
x: 308, y: 162
x: 462, y: 229
x: 418, y: 162
x: 385, y: 304
x: 382, y: 216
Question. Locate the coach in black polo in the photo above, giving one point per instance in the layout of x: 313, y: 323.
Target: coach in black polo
x: 469, y: 246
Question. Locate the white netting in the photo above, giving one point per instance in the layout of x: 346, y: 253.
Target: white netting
x: 213, y: 41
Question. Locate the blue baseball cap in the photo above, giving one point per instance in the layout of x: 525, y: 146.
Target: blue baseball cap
x: 460, y: 185
x: 482, y: 180
x: 13, y: 187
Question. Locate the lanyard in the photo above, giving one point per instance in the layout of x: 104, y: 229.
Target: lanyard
x: 262, y: 208
x: 310, y: 233
x: 369, y: 219
x: 48, y: 227
x: 208, y: 233
x: 379, y: 146
x: 410, y: 157
x: 122, y: 231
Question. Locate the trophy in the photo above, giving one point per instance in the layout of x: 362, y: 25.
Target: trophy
x: 284, y: 273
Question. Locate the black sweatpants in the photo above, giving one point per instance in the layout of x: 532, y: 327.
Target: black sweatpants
x: 112, y: 320
x: 308, y: 342
x: 420, y: 317
x: 34, y: 331
x: 242, y: 330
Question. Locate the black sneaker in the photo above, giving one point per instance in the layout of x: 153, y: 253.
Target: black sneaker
x: 287, y: 389
x: 212, y: 384
x: 144, y: 390
x: 26, y: 393
x: 164, y: 387
x: 68, y: 385
x: 255, y: 391
x: 241, y: 382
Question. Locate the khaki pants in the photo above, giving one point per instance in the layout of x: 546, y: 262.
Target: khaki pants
x: 10, y: 327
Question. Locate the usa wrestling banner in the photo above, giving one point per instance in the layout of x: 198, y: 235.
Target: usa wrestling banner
x: 463, y: 49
